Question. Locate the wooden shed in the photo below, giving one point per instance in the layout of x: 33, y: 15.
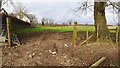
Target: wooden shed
x: 7, y: 32
x: 14, y: 22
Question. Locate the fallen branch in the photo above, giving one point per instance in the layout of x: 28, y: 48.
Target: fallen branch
x: 97, y: 62
x: 86, y: 40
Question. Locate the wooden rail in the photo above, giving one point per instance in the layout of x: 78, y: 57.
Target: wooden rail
x: 86, y: 40
x: 97, y: 62
x: 117, y: 32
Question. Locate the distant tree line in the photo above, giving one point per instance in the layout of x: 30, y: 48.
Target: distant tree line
x: 50, y: 22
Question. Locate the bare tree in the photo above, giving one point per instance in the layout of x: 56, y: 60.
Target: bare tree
x: 51, y: 21
x: 70, y: 22
x: 20, y: 9
x: 34, y: 20
x: 3, y: 2
x: 99, y: 15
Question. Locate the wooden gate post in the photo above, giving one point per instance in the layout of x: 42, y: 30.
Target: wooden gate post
x: 74, y: 34
x: 87, y: 33
x: 8, y: 31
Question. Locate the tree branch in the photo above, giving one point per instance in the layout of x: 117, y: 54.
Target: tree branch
x: 115, y: 5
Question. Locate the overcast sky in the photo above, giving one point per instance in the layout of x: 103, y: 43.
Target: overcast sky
x: 61, y: 12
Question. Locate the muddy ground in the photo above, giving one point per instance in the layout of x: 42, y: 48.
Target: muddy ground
x: 55, y: 49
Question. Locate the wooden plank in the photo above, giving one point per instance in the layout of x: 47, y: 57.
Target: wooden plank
x: 111, y: 42
x: 97, y: 62
x: 87, y: 33
x: 86, y: 40
x: 74, y: 34
x: 111, y: 29
x: 8, y: 31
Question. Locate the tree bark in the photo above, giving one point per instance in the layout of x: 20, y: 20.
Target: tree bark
x: 100, y: 21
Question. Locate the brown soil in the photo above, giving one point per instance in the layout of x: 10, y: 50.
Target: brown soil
x: 55, y: 49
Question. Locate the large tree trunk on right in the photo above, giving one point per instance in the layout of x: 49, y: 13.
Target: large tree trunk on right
x: 100, y: 21
x: 119, y: 28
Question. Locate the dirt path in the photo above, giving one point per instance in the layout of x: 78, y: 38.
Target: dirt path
x: 55, y: 49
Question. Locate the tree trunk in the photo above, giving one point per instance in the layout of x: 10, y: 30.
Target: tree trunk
x: 100, y: 21
x: 119, y: 28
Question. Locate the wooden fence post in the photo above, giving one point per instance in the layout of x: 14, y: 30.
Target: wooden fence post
x: 8, y: 31
x: 87, y: 33
x: 74, y: 34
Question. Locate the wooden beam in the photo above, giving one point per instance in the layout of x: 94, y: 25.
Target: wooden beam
x: 86, y: 40
x: 97, y: 62
x: 74, y: 34
x: 87, y: 33
x: 8, y: 31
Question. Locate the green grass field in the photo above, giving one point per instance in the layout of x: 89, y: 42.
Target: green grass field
x: 54, y: 29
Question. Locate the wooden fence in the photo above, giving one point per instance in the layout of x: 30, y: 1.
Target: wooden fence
x: 115, y: 28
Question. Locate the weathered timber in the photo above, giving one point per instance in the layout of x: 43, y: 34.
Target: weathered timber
x: 97, y: 62
x: 86, y: 40
x: 8, y: 31
x: 87, y: 33
x: 74, y: 34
